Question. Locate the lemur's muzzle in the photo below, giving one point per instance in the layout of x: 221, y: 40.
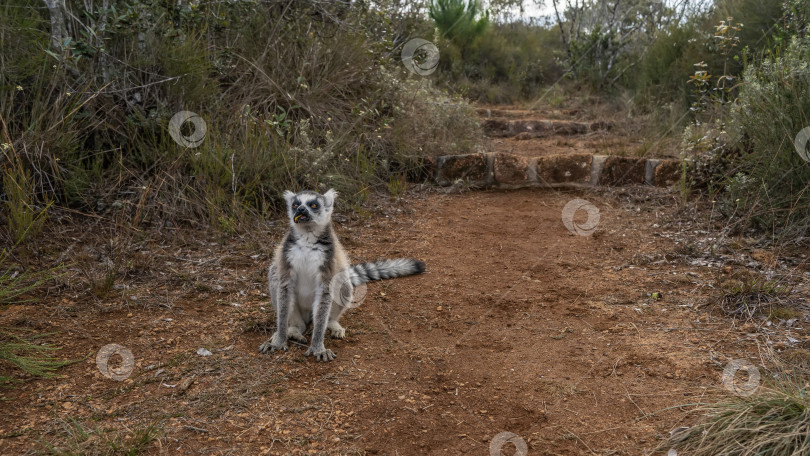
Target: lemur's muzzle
x: 301, y: 215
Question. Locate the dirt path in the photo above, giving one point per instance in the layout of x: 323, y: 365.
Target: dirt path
x: 518, y: 326
x: 572, y: 344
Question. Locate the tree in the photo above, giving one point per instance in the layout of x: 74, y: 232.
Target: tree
x: 460, y: 21
x: 599, y: 33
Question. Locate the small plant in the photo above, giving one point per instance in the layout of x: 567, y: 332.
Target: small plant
x: 397, y: 185
x: 773, y: 422
x: 14, y: 283
x: 21, y: 350
x: 747, y: 295
x: 704, y: 140
x: 25, y: 219
x: 773, y: 108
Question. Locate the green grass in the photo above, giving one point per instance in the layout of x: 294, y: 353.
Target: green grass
x: 19, y: 348
x: 25, y: 217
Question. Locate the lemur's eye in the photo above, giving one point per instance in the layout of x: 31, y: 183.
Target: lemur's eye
x: 314, y: 205
x: 295, y: 206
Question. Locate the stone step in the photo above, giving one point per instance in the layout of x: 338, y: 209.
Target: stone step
x: 528, y: 128
x: 488, y: 113
x: 505, y: 170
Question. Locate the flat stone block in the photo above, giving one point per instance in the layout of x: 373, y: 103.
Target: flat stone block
x: 667, y: 173
x: 557, y: 169
x: 472, y: 168
x: 496, y: 128
x: 623, y: 171
x: 510, y: 169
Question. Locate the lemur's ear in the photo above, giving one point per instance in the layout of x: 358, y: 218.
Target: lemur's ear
x: 330, y: 196
x: 288, y: 196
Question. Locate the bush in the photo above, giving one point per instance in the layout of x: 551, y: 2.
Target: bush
x: 770, y: 186
x: 509, y: 62
x: 669, y: 60
x: 298, y: 95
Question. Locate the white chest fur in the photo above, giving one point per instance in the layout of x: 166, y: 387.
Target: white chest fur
x: 305, y: 260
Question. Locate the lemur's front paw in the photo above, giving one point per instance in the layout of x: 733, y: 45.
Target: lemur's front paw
x: 268, y: 347
x: 321, y: 354
x: 273, y: 345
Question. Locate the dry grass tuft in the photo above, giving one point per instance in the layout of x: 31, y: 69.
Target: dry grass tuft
x: 773, y: 422
x: 746, y: 295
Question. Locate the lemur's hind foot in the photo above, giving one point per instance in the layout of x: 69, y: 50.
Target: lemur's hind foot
x: 293, y: 332
x: 337, y: 331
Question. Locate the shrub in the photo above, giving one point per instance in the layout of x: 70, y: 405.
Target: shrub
x: 293, y: 95
x: 770, y: 186
x: 509, y: 62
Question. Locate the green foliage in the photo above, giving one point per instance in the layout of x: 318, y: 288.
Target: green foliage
x: 510, y: 62
x: 18, y: 347
x: 796, y: 20
x: 14, y: 283
x: 460, y: 21
x: 668, y: 61
x: 25, y: 219
x: 397, y: 185
x: 770, y: 186
x: 449, y: 125
x: 26, y: 354
x: 305, y: 103
x: 593, y: 56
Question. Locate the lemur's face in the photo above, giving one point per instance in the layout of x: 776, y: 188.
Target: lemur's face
x: 309, y: 209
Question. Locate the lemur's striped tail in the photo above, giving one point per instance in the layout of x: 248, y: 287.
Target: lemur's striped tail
x: 385, y: 269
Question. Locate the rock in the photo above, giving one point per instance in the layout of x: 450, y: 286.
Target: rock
x: 622, y: 171
x: 569, y: 128
x: 667, y: 173
x: 556, y: 169
x: 601, y: 125
x: 497, y: 128
x: 534, y: 127
x: 510, y: 169
x: 473, y: 168
x: 185, y: 384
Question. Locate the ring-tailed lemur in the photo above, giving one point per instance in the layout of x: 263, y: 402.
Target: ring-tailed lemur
x: 311, y: 279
